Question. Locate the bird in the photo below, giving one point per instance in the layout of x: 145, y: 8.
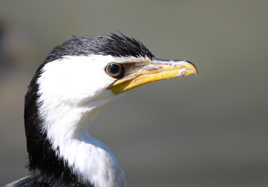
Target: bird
x: 75, y: 82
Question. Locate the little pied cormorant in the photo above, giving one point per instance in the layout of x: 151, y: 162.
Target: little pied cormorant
x: 75, y: 81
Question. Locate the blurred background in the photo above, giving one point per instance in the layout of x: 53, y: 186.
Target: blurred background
x: 210, y: 130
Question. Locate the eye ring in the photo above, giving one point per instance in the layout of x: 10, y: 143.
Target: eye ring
x: 115, y: 70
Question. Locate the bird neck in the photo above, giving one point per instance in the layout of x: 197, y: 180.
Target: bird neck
x: 87, y: 156
x: 60, y: 147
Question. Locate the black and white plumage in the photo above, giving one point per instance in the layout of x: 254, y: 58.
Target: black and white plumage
x: 72, y: 85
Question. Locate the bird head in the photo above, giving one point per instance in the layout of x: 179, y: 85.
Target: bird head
x: 88, y: 72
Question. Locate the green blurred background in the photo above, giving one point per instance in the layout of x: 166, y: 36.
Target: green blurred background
x: 209, y: 130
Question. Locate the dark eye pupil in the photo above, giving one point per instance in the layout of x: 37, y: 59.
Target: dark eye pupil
x: 114, y: 68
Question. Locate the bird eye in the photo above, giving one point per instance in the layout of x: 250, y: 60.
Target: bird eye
x: 115, y: 70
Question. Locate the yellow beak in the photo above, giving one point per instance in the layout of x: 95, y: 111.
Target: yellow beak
x: 154, y: 71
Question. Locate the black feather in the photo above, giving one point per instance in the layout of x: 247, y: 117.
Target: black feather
x: 118, y: 45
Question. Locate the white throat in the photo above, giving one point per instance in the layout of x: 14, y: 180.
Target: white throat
x: 65, y: 108
x: 87, y: 156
